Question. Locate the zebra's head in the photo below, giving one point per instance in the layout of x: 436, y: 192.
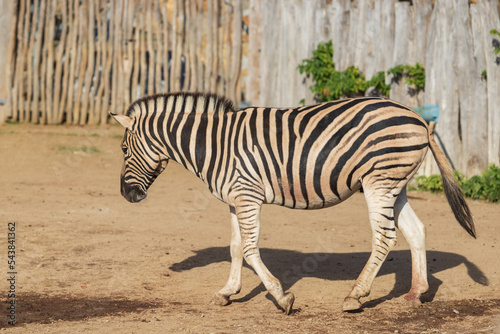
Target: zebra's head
x: 143, y: 161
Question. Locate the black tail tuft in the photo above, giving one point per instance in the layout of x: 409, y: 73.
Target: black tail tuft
x: 459, y: 205
x: 452, y: 190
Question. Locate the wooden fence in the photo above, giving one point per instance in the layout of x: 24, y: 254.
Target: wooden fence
x: 70, y: 61
x: 73, y: 60
x: 451, y: 38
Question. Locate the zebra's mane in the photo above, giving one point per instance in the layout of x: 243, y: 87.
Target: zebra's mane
x: 220, y: 102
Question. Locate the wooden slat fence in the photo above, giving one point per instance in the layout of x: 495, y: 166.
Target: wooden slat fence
x: 75, y: 60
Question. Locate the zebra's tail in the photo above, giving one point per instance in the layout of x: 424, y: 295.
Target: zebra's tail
x: 452, y: 189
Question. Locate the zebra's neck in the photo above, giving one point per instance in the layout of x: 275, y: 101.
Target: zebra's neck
x: 184, y: 127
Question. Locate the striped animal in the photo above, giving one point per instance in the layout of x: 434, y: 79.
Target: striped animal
x: 303, y: 158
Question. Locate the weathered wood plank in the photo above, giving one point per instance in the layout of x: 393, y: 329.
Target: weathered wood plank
x: 61, y: 8
x: 8, y: 18
x: 30, y: 55
x: 235, y: 67
x: 17, y: 84
x: 101, y: 61
x: 166, y: 31
x: 491, y: 19
x: 83, y: 39
x: 254, y: 73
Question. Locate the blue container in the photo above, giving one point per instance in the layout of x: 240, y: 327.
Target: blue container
x: 429, y: 112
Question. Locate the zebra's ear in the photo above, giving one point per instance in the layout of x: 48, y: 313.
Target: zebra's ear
x: 124, y: 120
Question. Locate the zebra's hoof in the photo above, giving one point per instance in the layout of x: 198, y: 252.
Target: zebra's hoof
x: 286, y: 302
x: 220, y: 300
x: 413, y: 300
x: 351, y: 304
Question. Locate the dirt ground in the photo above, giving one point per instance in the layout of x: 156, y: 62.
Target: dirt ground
x: 89, y: 261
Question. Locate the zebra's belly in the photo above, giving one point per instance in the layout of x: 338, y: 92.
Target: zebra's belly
x: 313, y: 201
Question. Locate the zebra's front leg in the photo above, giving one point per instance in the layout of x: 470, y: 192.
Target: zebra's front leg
x: 233, y: 285
x: 384, y: 238
x: 248, y: 213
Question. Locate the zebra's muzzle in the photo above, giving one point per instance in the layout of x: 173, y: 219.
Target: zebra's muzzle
x: 132, y: 193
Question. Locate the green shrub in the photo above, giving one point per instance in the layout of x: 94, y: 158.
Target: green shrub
x: 484, y: 75
x: 432, y: 183
x: 397, y: 71
x: 321, y: 67
x: 330, y: 84
x: 414, y: 75
x: 348, y: 83
x: 496, y: 44
x: 485, y: 186
x: 378, y: 82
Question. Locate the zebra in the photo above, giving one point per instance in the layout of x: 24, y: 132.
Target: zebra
x: 310, y: 157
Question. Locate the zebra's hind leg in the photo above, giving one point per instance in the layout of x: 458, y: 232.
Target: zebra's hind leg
x: 381, y: 213
x: 414, y: 232
x: 233, y: 285
x: 248, y: 213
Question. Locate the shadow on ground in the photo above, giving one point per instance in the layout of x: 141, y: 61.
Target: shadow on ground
x: 291, y: 266
x: 47, y: 309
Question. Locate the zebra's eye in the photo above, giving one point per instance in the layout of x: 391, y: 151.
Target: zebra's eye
x: 124, y: 149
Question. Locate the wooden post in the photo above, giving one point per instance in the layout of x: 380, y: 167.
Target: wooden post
x: 101, y: 59
x: 48, y: 64
x: 86, y: 90
x: 234, y: 73
x: 58, y: 79
x: 142, y: 51
x: 209, y: 47
x: 157, y: 47
x: 83, y: 38
x: 166, y: 48
x: 129, y: 40
x: 19, y: 63
x: 136, y: 44
x: 7, y: 42
x: 253, y: 75
x: 150, y: 72
x: 31, y: 47
x: 37, y: 59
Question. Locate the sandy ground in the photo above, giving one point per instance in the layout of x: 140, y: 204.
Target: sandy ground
x: 89, y: 261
